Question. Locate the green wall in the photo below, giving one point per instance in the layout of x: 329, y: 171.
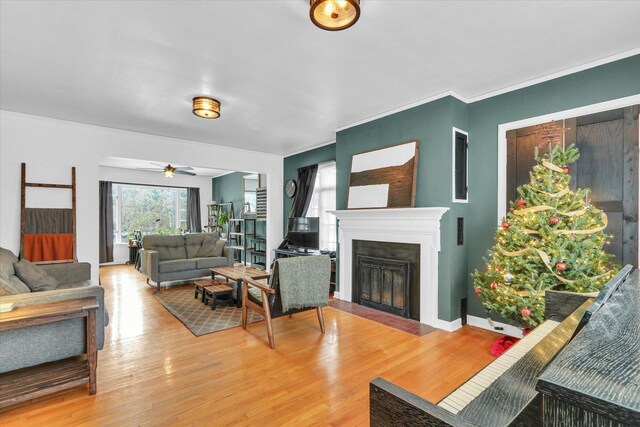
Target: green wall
x: 604, y: 83
x: 228, y: 188
x: 322, y: 154
x: 431, y: 124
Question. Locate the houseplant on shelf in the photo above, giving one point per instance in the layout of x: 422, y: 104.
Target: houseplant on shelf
x: 223, y: 219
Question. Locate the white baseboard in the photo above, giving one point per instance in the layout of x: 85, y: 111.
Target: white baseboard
x: 449, y: 326
x: 510, y: 330
x: 336, y: 295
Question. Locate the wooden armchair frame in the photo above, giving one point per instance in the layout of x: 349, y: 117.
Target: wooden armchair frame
x: 265, y: 309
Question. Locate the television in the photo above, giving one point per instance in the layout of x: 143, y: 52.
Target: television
x: 304, y: 233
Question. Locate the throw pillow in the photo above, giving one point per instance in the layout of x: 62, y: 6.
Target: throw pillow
x: 220, y: 244
x: 5, y: 285
x: 211, y: 247
x: 35, y: 277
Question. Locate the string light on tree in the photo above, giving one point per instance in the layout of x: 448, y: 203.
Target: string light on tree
x: 551, y: 238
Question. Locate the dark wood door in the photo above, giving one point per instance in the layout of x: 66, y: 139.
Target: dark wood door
x: 608, y: 165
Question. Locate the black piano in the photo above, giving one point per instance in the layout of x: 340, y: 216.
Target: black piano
x: 581, y: 367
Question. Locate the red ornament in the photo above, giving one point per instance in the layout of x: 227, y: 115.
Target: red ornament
x: 562, y: 266
x: 554, y: 220
x: 526, y: 312
x: 478, y: 291
x: 522, y: 203
x: 566, y: 169
x: 494, y: 286
x: 505, y: 225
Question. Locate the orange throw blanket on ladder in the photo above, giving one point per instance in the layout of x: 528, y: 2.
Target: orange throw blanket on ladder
x: 48, y: 247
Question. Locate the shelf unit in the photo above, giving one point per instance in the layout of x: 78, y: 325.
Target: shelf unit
x: 213, y: 210
x: 241, y: 238
x: 259, y: 253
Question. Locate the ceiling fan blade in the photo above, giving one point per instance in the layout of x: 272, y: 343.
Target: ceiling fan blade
x: 184, y: 168
x: 150, y: 169
x: 158, y: 164
x: 185, y: 173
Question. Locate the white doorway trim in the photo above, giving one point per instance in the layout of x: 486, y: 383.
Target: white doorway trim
x: 560, y: 115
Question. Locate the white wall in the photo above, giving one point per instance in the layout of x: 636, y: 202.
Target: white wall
x: 121, y: 251
x: 51, y: 147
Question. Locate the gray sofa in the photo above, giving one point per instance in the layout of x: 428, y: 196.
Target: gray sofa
x: 167, y: 258
x: 25, y: 347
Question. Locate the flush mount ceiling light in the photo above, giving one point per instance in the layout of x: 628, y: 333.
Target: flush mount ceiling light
x: 334, y: 15
x: 207, y: 108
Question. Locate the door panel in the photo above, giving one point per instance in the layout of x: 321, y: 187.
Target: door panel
x: 608, y: 165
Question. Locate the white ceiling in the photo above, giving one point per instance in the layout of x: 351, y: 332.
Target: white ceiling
x: 118, y: 162
x: 284, y: 84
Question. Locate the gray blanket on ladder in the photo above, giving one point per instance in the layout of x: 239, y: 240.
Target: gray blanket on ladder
x: 304, y: 281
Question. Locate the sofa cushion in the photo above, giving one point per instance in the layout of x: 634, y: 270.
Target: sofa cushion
x: 255, y: 293
x: 34, y: 277
x: 7, y: 259
x: 211, y: 262
x: 168, y: 247
x: 74, y: 285
x: 211, y: 247
x: 173, y: 265
x: 20, y: 286
x: 193, y: 242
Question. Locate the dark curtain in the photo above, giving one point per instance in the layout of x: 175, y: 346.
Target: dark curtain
x: 194, y: 223
x: 106, y: 222
x: 306, y: 182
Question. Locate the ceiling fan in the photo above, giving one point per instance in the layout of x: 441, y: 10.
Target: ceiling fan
x: 169, y: 170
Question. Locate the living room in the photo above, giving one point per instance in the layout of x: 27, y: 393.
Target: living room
x: 309, y: 117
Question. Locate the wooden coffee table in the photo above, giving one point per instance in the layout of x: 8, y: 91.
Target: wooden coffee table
x: 237, y: 273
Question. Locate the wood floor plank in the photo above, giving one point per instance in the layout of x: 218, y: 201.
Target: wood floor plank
x: 153, y: 371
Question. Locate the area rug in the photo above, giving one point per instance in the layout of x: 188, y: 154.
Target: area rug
x: 199, y: 318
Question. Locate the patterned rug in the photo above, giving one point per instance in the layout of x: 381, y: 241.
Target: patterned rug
x: 199, y: 318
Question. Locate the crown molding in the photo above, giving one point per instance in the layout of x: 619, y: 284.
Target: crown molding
x: 470, y: 100
x: 313, y: 147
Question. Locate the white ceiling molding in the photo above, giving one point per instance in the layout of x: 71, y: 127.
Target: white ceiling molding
x: 487, y: 95
x: 302, y: 150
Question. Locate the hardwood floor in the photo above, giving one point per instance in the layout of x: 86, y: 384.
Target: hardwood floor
x: 153, y: 371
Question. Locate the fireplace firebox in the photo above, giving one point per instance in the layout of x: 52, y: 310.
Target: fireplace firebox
x: 387, y: 276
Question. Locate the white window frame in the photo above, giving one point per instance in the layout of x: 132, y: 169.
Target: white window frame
x: 455, y: 130
x: 332, y: 243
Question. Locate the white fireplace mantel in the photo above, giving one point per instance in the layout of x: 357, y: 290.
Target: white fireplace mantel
x: 406, y: 225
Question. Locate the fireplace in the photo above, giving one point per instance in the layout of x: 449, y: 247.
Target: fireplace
x: 419, y: 226
x: 387, y: 276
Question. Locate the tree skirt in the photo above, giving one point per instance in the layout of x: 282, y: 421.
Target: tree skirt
x: 199, y: 318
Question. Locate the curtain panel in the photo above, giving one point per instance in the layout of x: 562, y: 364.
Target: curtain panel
x: 194, y: 221
x: 106, y: 221
x: 306, y: 180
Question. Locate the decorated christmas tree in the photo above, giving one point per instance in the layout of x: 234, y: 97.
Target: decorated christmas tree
x: 551, y: 238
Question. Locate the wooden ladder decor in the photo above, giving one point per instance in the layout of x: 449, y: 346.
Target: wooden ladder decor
x: 23, y: 211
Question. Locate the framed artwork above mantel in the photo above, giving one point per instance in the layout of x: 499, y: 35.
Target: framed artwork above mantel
x: 384, y: 177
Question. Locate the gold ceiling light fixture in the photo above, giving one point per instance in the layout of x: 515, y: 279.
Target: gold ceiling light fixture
x: 205, y: 107
x: 334, y: 15
x: 169, y: 171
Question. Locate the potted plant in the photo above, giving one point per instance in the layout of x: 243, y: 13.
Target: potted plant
x: 223, y: 219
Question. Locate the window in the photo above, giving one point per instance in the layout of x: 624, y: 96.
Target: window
x: 148, y: 209
x: 460, y: 148
x: 323, y: 200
